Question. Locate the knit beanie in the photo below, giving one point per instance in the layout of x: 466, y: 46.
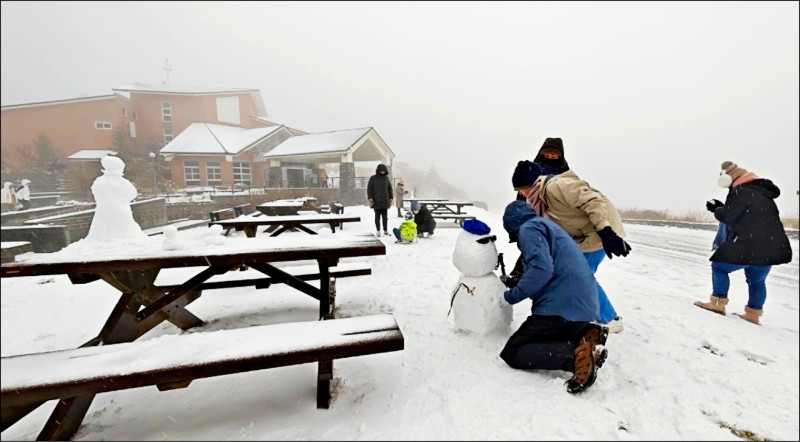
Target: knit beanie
x: 415, y: 205
x: 733, y: 170
x: 525, y: 174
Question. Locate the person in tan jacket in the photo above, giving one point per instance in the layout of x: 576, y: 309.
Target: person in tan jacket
x: 583, y: 212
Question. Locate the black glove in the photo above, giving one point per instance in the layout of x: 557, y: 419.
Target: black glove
x: 612, y: 243
x: 712, y: 205
x: 509, y: 281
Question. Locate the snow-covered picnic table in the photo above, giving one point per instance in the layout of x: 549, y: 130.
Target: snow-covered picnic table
x: 143, y: 305
x: 250, y: 224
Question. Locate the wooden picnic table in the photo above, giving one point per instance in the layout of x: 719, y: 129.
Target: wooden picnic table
x: 446, y: 207
x: 143, y: 305
x: 250, y: 225
x: 424, y: 200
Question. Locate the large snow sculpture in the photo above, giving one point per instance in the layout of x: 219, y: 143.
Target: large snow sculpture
x: 113, y: 218
x: 476, y: 299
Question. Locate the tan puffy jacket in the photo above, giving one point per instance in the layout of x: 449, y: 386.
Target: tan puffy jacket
x: 581, y: 210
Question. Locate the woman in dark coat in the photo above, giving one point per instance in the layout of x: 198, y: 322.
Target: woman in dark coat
x: 753, y: 239
x: 379, y: 193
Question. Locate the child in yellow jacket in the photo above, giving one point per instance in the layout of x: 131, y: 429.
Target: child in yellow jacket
x: 407, y: 231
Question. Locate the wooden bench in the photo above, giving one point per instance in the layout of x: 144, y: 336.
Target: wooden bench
x: 245, y: 209
x: 174, y: 361
x: 10, y: 249
x: 259, y: 281
x: 336, y: 208
x: 458, y: 218
x: 223, y: 214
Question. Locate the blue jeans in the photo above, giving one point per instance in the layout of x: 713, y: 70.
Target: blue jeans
x: 755, y: 276
x: 607, y: 312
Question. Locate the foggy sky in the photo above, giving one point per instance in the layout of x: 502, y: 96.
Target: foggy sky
x: 649, y: 97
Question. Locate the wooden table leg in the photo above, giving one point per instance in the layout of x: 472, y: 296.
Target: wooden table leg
x: 282, y: 229
x: 66, y: 418
x: 305, y: 229
x: 324, y: 376
x: 327, y: 286
x: 125, y: 325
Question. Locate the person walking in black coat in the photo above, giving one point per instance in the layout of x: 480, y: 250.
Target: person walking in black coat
x: 379, y: 193
x: 752, y: 239
x: 423, y: 219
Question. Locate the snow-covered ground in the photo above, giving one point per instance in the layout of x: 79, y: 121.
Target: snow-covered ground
x: 675, y: 372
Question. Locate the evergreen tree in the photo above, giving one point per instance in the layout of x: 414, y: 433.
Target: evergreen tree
x: 45, y: 166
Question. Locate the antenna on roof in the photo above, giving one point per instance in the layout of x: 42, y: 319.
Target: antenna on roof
x: 166, y: 68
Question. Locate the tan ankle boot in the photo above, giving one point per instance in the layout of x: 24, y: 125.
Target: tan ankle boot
x: 751, y: 314
x: 716, y: 305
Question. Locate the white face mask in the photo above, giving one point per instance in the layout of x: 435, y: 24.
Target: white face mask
x: 724, y: 180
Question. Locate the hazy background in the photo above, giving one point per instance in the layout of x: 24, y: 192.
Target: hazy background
x: 649, y: 97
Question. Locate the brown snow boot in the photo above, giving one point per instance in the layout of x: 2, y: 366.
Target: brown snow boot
x: 716, y: 305
x: 751, y: 314
x: 596, y: 334
x: 584, y: 371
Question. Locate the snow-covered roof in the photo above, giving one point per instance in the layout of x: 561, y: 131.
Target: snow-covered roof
x: 326, y: 142
x: 90, y: 154
x: 174, y: 89
x: 57, y: 102
x: 208, y: 138
x: 179, y: 89
x: 264, y: 119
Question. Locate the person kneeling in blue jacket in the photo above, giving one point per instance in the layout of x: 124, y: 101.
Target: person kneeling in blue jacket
x: 559, y: 334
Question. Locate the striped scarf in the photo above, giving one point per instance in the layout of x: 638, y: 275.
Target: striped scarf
x: 536, y: 201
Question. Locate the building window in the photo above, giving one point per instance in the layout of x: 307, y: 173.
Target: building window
x: 241, y: 172
x: 213, y: 172
x: 168, y: 135
x: 166, y: 111
x: 191, y: 172
x: 134, y: 115
x: 102, y: 125
x: 124, y: 112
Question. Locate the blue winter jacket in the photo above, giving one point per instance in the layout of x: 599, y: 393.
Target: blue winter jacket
x: 556, y: 275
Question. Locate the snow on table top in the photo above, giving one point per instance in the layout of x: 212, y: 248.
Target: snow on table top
x: 85, y: 251
x: 320, y: 217
x: 188, y: 349
x: 282, y: 204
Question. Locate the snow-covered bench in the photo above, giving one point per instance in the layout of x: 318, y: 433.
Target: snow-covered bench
x: 173, y: 361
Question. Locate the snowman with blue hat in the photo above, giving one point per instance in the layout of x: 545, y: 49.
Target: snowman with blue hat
x: 475, y: 300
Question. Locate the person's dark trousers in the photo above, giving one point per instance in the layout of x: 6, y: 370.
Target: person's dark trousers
x: 398, y: 213
x: 26, y: 204
x: 544, y: 342
x: 381, y: 214
x: 428, y: 230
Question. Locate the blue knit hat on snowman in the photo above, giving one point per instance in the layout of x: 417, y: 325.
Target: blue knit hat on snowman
x: 476, y: 227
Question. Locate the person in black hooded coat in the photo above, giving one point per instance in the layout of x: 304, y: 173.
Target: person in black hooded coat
x: 753, y: 238
x: 551, y: 157
x: 380, y: 195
